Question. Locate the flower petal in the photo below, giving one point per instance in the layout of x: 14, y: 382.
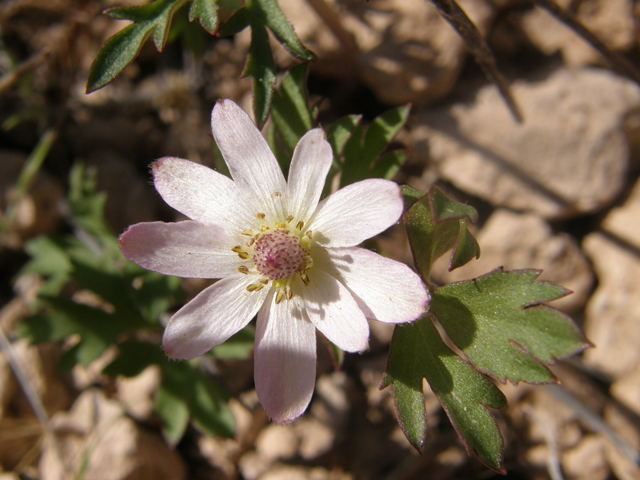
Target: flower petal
x: 332, y: 309
x: 311, y: 161
x: 250, y: 160
x: 212, y: 317
x: 202, y: 194
x: 285, y: 360
x: 385, y: 290
x: 184, y: 249
x: 357, y: 212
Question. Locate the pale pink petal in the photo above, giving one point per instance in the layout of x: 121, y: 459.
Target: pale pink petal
x: 202, y: 194
x: 212, y: 317
x: 184, y: 249
x: 250, y: 160
x: 331, y: 308
x: 357, y: 212
x: 285, y: 360
x: 386, y: 290
x: 311, y: 161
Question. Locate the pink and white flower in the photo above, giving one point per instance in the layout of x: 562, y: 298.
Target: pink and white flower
x: 279, y: 253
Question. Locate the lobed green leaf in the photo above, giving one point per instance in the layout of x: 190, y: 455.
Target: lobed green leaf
x: 434, y: 230
x: 122, y: 48
x: 498, y: 321
x: 418, y: 352
x: 290, y: 111
x: 365, y: 145
x: 207, y: 12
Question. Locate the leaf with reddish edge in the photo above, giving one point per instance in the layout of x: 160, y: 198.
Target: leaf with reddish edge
x: 418, y: 352
x: 436, y: 224
x: 499, y: 322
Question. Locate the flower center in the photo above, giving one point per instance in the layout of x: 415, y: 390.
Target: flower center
x: 278, y: 255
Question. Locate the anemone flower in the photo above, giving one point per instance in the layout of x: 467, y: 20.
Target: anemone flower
x: 280, y: 254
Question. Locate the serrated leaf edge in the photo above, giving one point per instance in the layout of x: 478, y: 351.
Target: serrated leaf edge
x: 537, y: 305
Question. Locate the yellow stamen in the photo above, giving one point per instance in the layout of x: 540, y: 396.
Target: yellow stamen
x: 255, y: 287
x: 279, y: 296
x: 300, y: 225
x: 260, y: 216
x: 243, y: 269
x: 289, y: 218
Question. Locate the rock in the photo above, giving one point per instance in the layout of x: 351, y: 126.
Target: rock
x: 623, y: 222
x: 277, y: 442
x: 403, y: 50
x: 97, y: 432
x: 316, y: 438
x: 612, y: 21
x: 137, y: 394
x: 291, y: 472
x: 516, y: 241
x: 627, y: 390
x: 220, y: 453
x: 586, y: 460
x: 331, y: 403
x: 612, y: 316
x: 571, y: 162
x: 625, y: 426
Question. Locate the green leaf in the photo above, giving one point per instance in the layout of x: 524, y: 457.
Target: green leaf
x: 435, y: 225
x: 156, y: 294
x: 209, y: 410
x: 282, y: 29
x: 290, y: 110
x: 97, y: 329
x: 240, y: 20
x: 337, y: 135
x: 365, y: 145
x: 261, y: 68
x: 207, y: 12
x: 172, y: 400
x: 238, y: 346
x: 49, y: 260
x: 418, y: 352
x: 87, y: 205
x: 260, y: 15
x: 122, y: 48
x: 133, y: 357
x: 498, y: 321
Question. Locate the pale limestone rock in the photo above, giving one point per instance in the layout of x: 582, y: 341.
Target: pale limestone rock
x: 277, y: 442
x: 137, y: 394
x: 625, y: 426
x: 403, y: 50
x: 612, y: 317
x: 114, y: 447
x: 220, y: 453
x: 569, y: 157
x: 516, y: 241
x: 586, y: 460
x: 331, y: 404
x: 627, y: 390
x: 612, y: 21
x: 316, y: 438
x: 291, y: 472
x: 623, y: 222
